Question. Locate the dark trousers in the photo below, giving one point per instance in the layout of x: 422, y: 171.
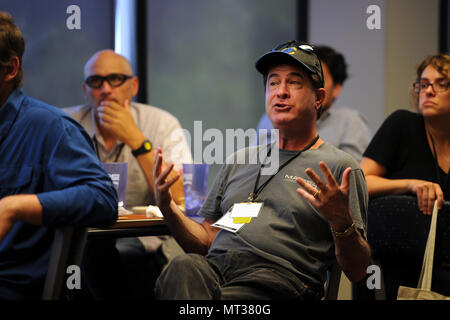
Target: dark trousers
x: 118, y: 269
x: 235, y: 275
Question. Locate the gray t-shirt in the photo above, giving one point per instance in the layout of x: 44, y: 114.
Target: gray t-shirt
x: 288, y: 230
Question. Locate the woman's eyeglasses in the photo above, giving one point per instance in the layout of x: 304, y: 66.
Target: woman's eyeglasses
x: 439, y: 86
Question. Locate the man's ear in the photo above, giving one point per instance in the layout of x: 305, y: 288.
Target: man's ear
x: 135, y: 84
x: 320, y: 97
x: 12, y: 69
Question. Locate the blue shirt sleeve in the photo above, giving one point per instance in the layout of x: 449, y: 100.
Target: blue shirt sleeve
x: 83, y: 194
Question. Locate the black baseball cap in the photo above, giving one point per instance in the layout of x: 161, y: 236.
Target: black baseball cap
x: 292, y: 51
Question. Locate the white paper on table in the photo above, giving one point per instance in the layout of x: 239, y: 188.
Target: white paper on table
x: 122, y: 211
x: 153, y: 211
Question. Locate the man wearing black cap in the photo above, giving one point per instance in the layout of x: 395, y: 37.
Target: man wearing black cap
x: 343, y: 127
x: 260, y: 239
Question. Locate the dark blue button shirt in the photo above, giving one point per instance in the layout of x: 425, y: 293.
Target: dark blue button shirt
x: 45, y: 152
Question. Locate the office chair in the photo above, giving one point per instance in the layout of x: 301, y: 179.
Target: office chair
x: 67, y: 249
x: 396, y: 231
x: 333, y: 282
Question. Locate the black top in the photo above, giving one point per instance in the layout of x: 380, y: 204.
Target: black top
x: 401, y: 146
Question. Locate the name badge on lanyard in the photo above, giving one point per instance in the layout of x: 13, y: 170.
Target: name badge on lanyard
x: 239, y: 215
x: 244, y: 212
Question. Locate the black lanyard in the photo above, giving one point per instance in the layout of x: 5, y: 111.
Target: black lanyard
x: 444, y: 186
x: 98, y: 154
x: 256, y: 191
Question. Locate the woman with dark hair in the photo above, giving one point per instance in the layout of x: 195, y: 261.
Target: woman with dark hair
x: 410, y: 153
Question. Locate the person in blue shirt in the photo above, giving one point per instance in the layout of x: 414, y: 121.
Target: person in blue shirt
x: 49, y: 176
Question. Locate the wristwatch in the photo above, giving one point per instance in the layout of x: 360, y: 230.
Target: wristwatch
x: 144, y: 148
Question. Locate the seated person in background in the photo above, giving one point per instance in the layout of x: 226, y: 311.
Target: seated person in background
x: 120, y: 130
x: 344, y: 128
x: 285, y: 251
x: 49, y: 176
x: 410, y: 154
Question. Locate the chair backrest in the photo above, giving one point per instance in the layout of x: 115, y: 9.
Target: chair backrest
x: 397, y: 230
x: 396, y: 227
x: 67, y: 249
x: 333, y: 282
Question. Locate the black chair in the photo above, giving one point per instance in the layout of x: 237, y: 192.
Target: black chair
x: 67, y: 249
x: 397, y: 232
x: 333, y: 282
x: 360, y: 290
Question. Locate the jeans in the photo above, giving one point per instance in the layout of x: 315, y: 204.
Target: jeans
x: 231, y: 275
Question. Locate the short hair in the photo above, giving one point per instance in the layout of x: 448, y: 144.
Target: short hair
x: 12, y: 44
x: 335, y: 62
x: 440, y: 62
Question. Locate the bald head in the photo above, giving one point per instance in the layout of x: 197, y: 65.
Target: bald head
x: 106, y: 62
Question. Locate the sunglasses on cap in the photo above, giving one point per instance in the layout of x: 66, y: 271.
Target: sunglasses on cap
x: 293, y: 45
x: 113, y: 79
x: 293, y: 51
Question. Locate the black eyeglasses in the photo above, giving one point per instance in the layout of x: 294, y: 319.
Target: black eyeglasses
x: 439, y: 86
x: 114, y: 80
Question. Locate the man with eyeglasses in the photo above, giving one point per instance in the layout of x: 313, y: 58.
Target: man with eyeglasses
x: 260, y: 239
x: 49, y: 176
x: 127, y: 131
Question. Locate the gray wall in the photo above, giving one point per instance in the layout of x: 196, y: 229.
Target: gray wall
x: 413, y: 35
x: 342, y: 25
x: 381, y: 62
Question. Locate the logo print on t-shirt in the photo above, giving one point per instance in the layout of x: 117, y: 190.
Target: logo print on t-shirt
x: 293, y: 178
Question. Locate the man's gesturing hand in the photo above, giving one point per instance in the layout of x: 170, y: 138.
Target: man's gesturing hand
x: 162, y: 185
x: 330, y: 198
